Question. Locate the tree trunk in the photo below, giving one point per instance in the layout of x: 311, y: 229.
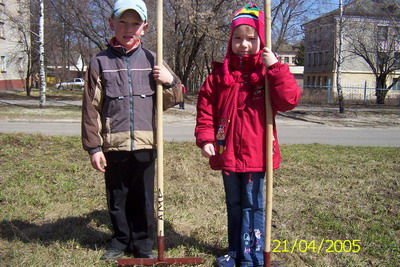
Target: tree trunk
x: 42, y: 72
x: 28, y: 79
x: 340, y: 61
x: 381, y: 90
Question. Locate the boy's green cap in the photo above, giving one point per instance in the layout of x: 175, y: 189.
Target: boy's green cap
x: 122, y: 5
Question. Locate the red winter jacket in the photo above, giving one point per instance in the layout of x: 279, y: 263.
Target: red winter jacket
x: 233, y: 117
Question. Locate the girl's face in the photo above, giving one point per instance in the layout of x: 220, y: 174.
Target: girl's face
x: 245, y: 40
x: 128, y: 28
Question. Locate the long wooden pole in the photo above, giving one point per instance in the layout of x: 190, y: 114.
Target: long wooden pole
x: 269, y: 144
x: 160, y: 141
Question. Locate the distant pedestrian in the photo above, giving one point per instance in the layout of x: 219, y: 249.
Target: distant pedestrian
x: 36, y: 80
x: 182, y: 104
x: 231, y: 129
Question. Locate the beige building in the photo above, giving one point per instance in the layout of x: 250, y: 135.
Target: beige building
x: 367, y: 24
x: 287, y: 54
x: 13, y: 40
x: 288, y: 57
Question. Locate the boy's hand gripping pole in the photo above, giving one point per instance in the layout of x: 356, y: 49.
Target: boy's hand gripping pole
x: 160, y: 260
x: 269, y: 144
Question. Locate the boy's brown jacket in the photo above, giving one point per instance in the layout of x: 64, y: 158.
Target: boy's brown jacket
x: 118, y: 109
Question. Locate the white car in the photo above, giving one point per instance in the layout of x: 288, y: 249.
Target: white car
x: 76, y: 83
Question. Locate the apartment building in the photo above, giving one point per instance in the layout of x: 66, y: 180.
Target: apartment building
x: 13, y: 41
x: 372, y: 25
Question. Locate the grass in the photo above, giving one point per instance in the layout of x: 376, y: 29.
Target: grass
x: 53, y: 206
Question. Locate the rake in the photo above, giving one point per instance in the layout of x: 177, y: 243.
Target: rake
x: 269, y: 144
x: 269, y: 150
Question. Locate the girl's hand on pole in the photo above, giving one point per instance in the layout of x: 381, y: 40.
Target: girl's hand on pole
x: 268, y: 57
x: 162, y: 75
x: 208, y: 150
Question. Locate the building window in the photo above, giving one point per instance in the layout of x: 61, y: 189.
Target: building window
x: 383, y: 33
x: 396, y: 38
x: 326, y: 57
x: 397, y: 59
x: 21, y: 64
x: 325, y: 81
x: 382, y: 58
x: 382, y: 36
x: 397, y: 85
x: 286, y: 59
x: 315, y: 63
x: 321, y: 59
x: 3, y: 64
x: 2, y: 30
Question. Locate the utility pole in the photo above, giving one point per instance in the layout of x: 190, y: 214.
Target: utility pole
x: 340, y: 60
x: 42, y: 71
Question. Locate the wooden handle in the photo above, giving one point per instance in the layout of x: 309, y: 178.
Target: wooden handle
x: 269, y: 145
x: 160, y: 141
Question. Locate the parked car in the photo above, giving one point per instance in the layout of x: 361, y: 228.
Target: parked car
x: 76, y: 83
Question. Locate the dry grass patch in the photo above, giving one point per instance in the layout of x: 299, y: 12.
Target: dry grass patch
x: 54, y: 209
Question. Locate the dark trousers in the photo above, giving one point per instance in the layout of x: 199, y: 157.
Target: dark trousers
x: 130, y: 196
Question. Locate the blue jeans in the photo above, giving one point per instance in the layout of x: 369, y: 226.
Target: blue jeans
x: 245, y: 206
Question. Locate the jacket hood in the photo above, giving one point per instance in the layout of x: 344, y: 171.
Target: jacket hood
x: 250, y: 15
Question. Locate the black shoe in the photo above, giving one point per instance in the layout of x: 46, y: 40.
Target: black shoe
x: 145, y: 255
x: 112, y: 254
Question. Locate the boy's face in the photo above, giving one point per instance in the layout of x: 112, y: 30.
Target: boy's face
x: 128, y: 28
x: 245, y: 40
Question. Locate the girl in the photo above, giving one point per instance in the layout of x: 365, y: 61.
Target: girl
x: 231, y: 129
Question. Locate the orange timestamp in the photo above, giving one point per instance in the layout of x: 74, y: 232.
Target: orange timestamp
x: 322, y: 246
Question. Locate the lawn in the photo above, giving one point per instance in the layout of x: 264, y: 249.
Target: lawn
x: 333, y: 205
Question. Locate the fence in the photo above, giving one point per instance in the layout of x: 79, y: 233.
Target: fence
x: 352, y: 95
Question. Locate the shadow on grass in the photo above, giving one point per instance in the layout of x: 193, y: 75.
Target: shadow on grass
x: 78, y: 229
x: 82, y: 231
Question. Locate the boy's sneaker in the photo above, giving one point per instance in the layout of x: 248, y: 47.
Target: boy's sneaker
x: 225, y: 261
x: 112, y: 254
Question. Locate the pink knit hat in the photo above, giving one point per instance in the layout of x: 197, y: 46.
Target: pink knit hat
x: 251, y: 15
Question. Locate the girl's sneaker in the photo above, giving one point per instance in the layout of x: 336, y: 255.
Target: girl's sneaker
x: 225, y: 261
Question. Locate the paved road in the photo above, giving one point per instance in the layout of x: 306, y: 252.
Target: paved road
x: 289, y: 131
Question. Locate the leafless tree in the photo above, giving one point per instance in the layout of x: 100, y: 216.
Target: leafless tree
x: 339, y: 57
x: 376, y: 40
x: 20, y: 29
x: 195, y: 32
x: 42, y: 69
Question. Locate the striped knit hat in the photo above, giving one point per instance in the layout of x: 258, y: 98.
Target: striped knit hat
x: 251, y: 15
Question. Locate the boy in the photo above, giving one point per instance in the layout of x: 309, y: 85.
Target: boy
x: 231, y: 132
x: 118, y: 127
